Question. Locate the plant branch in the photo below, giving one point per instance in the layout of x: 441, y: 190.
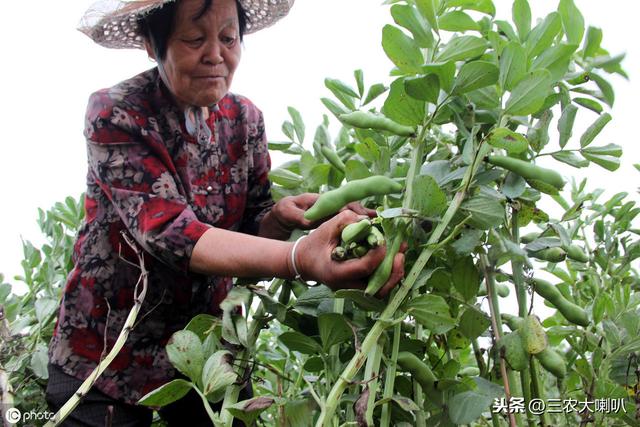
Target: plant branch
x: 139, y: 294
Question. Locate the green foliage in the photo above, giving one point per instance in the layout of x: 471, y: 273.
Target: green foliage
x: 27, y: 311
x: 491, y: 90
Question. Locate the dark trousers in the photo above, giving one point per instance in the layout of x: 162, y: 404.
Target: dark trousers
x: 97, y: 409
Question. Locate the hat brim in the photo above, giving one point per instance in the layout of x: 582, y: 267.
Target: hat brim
x: 114, y: 23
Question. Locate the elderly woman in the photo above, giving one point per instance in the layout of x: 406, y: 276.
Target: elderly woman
x: 179, y: 164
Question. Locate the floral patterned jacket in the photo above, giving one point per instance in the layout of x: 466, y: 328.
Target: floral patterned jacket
x: 149, y: 177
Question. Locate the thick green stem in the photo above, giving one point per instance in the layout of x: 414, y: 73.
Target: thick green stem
x: 259, y: 320
x: 421, y: 420
x: 371, y: 376
x: 518, y: 273
x: 523, y: 308
x: 538, y: 390
x: 390, y: 378
x: 496, y: 324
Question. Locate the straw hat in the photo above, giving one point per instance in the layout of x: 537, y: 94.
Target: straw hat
x: 114, y: 23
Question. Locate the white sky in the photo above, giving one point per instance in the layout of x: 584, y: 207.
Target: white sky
x: 49, y: 69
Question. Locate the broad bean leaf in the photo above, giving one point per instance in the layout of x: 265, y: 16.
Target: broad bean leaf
x: 485, y: 212
x: 285, y: 178
x: 605, y: 87
x: 333, y: 330
x: 295, y: 341
x: 475, y: 75
x: 200, y: 324
x: 298, y: 123
x: 423, y: 88
x: 408, y: 17
x: 428, y: 9
x: 355, y: 169
x: 218, y: 374
x: 571, y: 158
x: 473, y: 323
x: 513, y: 65
x: 466, y: 278
x: 556, y: 60
x: 362, y: 300
x: 529, y: 94
x: 592, y: 42
x: 608, y: 162
x: 457, y: 20
x: 572, y: 21
x: 428, y: 198
x: 467, y: 406
x: 402, y: 108
x: 184, y: 350
x: 462, y: 48
x: 445, y: 72
x: 521, y: 15
x: 374, y: 91
x: 484, y: 6
x: 39, y: 361
x: 166, y: 394
x: 506, y: 139
x: 542, y: 36
x: 606, y: 150
x: 432, y: 311
x: 594, y: 130
x: 402, y: 49
x: 589, y: 104
x: 514, y: 185
x: 45, y: 307
x: 249, y: 410
x: 565, y: 124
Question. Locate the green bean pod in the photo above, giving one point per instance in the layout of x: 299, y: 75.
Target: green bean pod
x: 469, y: 371
x: 534, y: 337
x: 572, y: 312
x: 576, y: 253
x: 501, y: 289
x: 528, y: 170
x: 513, y: 322
x: 333, y: 158
x: 375, y: 238
x: 356, y: 231
x: 550, y: 254
x: 512, y: 348
x: 529, y: 237
x: 338, y: 253
x: 332, y: 201
x: 419, y: 370
x: 553, y: 362
x: 383, y: 271
x: 367, y: 120
x: 360, y: 251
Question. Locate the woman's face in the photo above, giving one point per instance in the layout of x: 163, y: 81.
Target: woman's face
x: 203, y: 52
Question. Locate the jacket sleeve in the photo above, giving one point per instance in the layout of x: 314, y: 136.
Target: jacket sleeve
x: 132, y: 167
x: 259, y: 198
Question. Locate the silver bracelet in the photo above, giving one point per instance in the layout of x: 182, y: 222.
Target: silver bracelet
x: 293, y: 258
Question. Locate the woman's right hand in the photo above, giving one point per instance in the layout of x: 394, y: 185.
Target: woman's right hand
x: 314, y: 262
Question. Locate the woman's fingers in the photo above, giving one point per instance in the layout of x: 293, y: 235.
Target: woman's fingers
x: 359, y: 209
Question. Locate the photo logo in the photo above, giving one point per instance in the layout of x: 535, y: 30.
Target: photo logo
x: 13, y: 415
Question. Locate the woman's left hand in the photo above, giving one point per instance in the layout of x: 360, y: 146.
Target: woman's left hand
x: 289, y: 211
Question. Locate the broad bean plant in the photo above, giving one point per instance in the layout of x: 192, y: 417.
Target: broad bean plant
x: 521, y: 283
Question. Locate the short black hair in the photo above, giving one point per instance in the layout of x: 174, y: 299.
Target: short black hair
x: 157, y: 25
